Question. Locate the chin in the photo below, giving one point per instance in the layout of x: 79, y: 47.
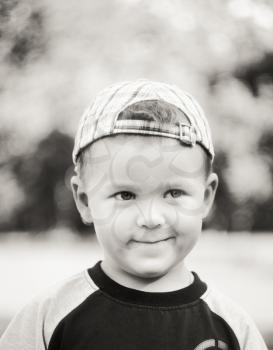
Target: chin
x: 151, y: 269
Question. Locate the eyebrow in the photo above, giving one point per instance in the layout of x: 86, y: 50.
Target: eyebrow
x: 137, y: 188
x: 122, y: 186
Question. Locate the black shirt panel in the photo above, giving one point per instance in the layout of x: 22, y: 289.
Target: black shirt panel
x: 119, y: 318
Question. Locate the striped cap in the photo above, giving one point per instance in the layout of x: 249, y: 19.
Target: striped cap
x: 101, y: 118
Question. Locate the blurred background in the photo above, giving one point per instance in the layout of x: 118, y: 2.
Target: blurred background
x: 56, y: 55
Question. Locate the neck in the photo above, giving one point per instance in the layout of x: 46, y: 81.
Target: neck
x: 176, y: 278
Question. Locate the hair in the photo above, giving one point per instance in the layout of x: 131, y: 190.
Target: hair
x: 149, y: 110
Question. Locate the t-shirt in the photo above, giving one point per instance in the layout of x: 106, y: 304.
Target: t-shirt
x: 92, y: 311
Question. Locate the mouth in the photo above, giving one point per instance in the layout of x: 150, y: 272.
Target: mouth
x: 154, y: 242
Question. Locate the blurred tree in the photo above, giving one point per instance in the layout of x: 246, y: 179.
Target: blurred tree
x: 265, y: 147
x: 22, y: 32
x: 224, y: 206
x: 257, y: 73
x: 263, y: 215
x: 12, y: 197
x: 30, y: 42
x: 42, y: 176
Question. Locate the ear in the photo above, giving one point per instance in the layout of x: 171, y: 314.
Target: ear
x: 81, y: 199
x: 210, y: 191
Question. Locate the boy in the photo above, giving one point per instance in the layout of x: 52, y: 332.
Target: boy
x: 143, y: 155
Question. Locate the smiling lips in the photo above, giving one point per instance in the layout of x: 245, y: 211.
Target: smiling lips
x: 154, y: 242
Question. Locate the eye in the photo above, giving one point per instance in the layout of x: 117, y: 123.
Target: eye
x: 124, y: 196
x: 175, y: 193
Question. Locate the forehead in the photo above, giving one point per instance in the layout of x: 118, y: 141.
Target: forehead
x: 136, y: 157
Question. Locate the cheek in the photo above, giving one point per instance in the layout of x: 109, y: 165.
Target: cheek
x: 188, y: 231
x: 191, y: 205
x: 191, y: 219
x: 187, y: 226
x: 108, y: 241
x: 115, y: 225
x: 184, y: 216
x: 123, y: 224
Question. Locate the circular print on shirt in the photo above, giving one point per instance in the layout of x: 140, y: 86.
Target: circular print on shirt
x: 212, y: 344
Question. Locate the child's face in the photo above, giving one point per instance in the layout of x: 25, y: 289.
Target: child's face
x: 147, y: 198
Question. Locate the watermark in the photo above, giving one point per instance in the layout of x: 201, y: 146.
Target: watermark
x: 109, y: 164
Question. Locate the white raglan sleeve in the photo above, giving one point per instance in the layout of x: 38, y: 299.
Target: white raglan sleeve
x: 252, y: 339
x: 26, y: 330
x: 247, y: 334
x: 33, y: 327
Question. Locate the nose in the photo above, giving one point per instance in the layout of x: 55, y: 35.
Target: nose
x: 150, y: 216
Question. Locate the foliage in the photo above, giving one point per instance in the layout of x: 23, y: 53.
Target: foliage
x: 43, y: 176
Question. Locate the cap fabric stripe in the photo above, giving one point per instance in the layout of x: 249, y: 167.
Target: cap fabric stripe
x: 107, y: 103
x: 135, y: 94
x: 200, y: 112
